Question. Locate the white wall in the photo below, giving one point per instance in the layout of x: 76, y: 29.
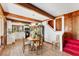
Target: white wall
x: 60, y: 33
x: 10, y: 36
x: 51, y: 34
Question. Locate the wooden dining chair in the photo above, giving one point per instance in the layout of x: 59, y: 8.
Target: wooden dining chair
x: 26, y: 43
x: 38, y: 44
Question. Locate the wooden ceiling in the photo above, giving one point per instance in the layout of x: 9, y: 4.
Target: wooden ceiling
x: 36, y: 9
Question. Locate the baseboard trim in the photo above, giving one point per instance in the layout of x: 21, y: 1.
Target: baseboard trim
x: 47, y: 42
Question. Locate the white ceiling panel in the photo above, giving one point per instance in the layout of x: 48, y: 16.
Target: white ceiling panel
x: 15, y: 9
x: 57, y: 9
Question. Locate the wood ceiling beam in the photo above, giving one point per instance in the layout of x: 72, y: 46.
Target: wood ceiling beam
x: 36, y: 9
x: 13, y: 20
x: 20, y: 17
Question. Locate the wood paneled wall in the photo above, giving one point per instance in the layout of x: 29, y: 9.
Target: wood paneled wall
x: 3, y: 26
x: 71, y: 23
x: 76, y: 26
x: 59, y: 24
x: 68, y: 23
x: 51, y: 23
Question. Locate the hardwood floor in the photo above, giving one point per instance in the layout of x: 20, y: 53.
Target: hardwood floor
x: 16, y: 50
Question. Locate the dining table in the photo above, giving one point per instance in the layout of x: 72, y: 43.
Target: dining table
x: 34, y: 42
